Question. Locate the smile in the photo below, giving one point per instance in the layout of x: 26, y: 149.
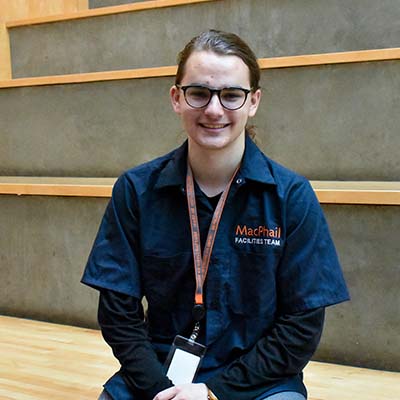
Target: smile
x: 214, y: 126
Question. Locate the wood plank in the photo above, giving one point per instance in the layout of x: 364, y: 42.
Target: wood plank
x: 5, y: 54
x: 32, y: 9
x: 332, y: 382
x: 158, y: 72
x: 58, y: 362
x: 338, y: 192
x: 328, y: 192
x: 331, y: 58
x: 139, y: 73
x: 54, y: 186
x: 99, y: 12
x: 50, y: 361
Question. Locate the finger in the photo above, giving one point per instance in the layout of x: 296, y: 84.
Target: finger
x: 167, y: 394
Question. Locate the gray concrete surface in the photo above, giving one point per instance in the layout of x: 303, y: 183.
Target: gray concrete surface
x: 154, y: 37
x: 45, y: 242
x: 338, y: 122
x: 365, y: 331
x: 106, y: 3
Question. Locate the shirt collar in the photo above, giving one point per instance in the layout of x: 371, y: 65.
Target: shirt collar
x: 254, y: 166
x: 174, y: 171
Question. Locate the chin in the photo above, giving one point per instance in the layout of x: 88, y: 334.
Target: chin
x: 213, y: 143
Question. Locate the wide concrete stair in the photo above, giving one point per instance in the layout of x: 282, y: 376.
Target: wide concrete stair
x: 89, y: 99
x: 307, y: 118
x: 151, y: 37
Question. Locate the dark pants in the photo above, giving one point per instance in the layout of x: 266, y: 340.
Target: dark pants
x: 276, y: 396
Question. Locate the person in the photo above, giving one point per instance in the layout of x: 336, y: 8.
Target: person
x: 224, y: 244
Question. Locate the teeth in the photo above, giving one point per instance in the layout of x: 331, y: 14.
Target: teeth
x: 214, y: 126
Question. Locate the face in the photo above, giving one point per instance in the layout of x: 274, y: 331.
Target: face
x: 214, y: 127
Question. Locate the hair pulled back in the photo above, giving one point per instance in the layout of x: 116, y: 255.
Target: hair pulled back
x: 221, y: 43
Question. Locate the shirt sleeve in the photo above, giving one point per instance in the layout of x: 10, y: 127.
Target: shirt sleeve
x: 281, y: 354
x: 123, y: 327
x: 309, y: 274
x: 113, y: 261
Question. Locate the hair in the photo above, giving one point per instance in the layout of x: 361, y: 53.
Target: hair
x: 221, y: 43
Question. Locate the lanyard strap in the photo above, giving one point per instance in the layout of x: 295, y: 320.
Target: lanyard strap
x: 201, y: 263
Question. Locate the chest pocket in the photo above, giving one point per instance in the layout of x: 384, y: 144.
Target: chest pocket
x: 253, y: 283
x: 168, y: 284
x: 168, y: 281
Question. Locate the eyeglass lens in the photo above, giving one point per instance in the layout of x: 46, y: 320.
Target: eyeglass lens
x: 230, y: 98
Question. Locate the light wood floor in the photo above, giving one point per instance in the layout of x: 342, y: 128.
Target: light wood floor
x: 50, y: 362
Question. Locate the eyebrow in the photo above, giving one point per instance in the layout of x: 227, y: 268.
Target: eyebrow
x: 214, y: 88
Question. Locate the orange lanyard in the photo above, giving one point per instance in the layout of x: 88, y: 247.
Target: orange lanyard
x: 201, y: 263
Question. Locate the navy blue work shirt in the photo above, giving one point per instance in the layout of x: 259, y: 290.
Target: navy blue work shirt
x: 272, y: 255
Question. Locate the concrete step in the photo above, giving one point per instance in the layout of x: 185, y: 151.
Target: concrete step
x: 49, y: 238
x: 153, y: 37
x: 334, y: 122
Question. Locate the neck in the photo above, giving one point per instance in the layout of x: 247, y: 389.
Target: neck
x: 213, y: 169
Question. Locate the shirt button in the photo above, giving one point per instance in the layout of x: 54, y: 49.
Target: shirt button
x: 239, y: 181
x: 183, y: 190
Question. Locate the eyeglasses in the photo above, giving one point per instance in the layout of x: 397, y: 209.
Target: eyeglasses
x: 231, y: 98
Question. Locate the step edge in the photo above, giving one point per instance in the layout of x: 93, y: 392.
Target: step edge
x: 328, y: 192
x: 307, y: 60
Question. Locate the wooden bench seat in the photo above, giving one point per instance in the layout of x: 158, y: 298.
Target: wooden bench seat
x: 328, y: 192
x: 46, y: 361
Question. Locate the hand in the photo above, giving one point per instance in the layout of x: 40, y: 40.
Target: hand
x: 189, y: 391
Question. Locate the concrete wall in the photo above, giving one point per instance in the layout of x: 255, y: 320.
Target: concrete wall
x: 307, y: 117
x: 365, y: 331
x: 43, y: 251
x: 272, y: 27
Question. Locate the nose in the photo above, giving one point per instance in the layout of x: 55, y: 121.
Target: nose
x: 214, y: 107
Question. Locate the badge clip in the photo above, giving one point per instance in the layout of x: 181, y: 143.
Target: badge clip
x: 184, y: 359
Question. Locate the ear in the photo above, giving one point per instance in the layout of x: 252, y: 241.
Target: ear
x: 254, y: 102
x: 174, y: 94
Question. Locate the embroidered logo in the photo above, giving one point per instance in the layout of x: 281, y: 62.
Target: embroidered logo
x: 261, y: 235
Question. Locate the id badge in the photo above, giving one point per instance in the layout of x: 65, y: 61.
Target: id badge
x: 184, y: 360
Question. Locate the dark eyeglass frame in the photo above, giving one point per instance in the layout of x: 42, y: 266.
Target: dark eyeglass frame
x: 212, y: 92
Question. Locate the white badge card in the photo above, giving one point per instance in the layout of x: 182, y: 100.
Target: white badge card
x: 184, y: 360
